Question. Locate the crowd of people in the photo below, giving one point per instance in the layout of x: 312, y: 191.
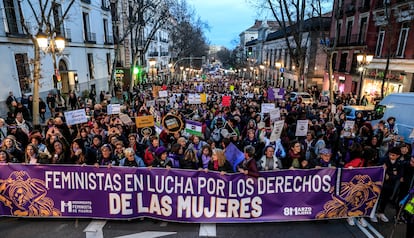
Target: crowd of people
x: 106, y: 140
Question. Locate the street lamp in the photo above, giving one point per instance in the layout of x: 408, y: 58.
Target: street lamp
x: 261, y: 67
x: 54, y: 45
x: 152, y: 69
x: 278, y: 65
x: 363, y: 61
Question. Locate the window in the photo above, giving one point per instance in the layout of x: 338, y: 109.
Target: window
x: 380, y: 42
x: 13, y: 25
x: 91, y: 66
x: 88, y: 35
x: 363, y: 30
x: 23, y: 72
x: 349, y: 31
x: 105, y: 4
x: 108, y: 63
x: 343, y: 63
x: 57, y: 18
x: 403, y: 39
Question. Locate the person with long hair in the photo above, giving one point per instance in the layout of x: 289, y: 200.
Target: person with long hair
x: 218, y: 162
x: 77, y: 152
x: 4, y: 157
x: 205, y: 156
x: 189, y: 161
x: 33, y: 156
x: 13, y: 148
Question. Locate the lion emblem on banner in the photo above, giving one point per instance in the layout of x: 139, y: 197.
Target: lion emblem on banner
x: 356, y: 198
x: 26, y: 196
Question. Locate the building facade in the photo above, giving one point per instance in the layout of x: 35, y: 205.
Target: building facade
x: 378, y: 28
x: 85, y: 62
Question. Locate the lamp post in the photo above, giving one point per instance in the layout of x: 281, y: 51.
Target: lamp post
x: 181, y: 73
x: 278, y: 65
x: 54, y: 45
x: 171, y: 73
x: 261, y: 67
x: 363, y: 61
x: 152, y: 70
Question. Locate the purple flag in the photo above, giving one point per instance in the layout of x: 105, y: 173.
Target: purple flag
x: 270, y: 94
x: 234, y: 155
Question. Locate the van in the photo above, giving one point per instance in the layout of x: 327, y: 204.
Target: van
x: 400, y: 106
x: 351, y: 112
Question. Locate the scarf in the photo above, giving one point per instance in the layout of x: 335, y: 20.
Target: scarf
x: 215, y: 165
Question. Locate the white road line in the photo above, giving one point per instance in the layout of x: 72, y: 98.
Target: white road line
x: 164, y: 224
x: 370, y: 227
x: 363, y: 229
x: 148, y: 234
x: 207, y: 229
x: 94, y: 229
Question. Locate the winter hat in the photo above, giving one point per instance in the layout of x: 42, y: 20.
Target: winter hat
x: 325, y: 151
x: 160, y: 150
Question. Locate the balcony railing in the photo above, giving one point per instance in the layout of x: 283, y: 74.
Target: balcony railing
x: 152, y: 54
x: 86, y: 1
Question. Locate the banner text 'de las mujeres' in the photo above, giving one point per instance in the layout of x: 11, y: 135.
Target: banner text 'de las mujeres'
x: 185, y: 195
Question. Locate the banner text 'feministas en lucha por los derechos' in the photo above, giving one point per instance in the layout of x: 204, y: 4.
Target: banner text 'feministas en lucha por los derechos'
x: 187, y: 196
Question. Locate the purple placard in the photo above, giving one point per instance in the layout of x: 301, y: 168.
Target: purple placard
x: 186, y: 196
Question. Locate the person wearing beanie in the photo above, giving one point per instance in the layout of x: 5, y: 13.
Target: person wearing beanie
x: 161, y: 158
x: 392, y: 179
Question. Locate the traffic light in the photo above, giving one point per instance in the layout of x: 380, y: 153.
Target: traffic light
x: 281, y: 76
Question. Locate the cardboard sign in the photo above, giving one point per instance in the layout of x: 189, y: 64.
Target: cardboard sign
x: 274, y: 114
x: 144, y: 121
x: 75, y: 117
x: 113, y: 109
x: 203, y: 98
x: 163, y: 94
x: 172, y: 123
x: 277, y: 130
x: 301, y: 127
x: 226, y: 101
x: 267, y: 107
x: 194, y: 98
x: 125, y: 119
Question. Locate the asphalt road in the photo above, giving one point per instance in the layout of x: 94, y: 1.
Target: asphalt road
x: 148, y: 228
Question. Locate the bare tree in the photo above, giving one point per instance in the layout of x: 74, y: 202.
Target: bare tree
x: 48, y: 22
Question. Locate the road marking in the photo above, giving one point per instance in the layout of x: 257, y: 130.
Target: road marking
x: 379, y: 235
x: 207, y: 229
x: 148, y: 234
x: 366, y: 232
x: 94, y: 229
x: 164, y: 224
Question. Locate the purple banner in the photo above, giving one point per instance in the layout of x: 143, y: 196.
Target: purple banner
x: 187, y: 196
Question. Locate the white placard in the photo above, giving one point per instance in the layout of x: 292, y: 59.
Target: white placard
x: 274, y: 114
x: 277, y: 130
x: 301, y: 127
x: 267, y: 107
x: 113, y: 109
x: 333, y: 108
x: 194, y: 98
x: 163, y: 94
x: 75, y: 117
x: 349, y: 125
x: 150, y: 103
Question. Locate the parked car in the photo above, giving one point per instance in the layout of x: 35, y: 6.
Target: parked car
x: 351, y: 112
x: 306, y: 97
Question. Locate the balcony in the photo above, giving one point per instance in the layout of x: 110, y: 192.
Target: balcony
x: 90, y: 37
x: 153, y: 54
x: 86, y: 1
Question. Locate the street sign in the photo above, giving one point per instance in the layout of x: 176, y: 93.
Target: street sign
x: 282, y: 70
